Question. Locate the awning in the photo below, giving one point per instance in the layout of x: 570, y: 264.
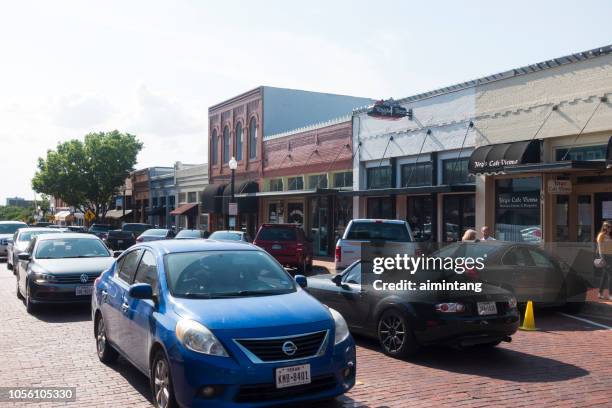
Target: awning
x: 558, y: 167
x: 156, y: 211
x: 245, y: 196
x: 212, y: 198
x: 443, y: 188
x: 62, y: 215
x: 116, y: 214
x: 498, y: 158
x: 184, y: 209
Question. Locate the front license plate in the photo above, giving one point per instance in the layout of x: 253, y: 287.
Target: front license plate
x: 120, y: 241
x: 84, y: 290
x: 487, y: 308
x: 276, y: 246
x: 292, y: 376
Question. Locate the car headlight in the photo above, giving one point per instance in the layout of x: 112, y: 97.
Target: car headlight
x: 198, y: 338
x: 342, y: 331
x: 512, y: 303
x: 42, y: 277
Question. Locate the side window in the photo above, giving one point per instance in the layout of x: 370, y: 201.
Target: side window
x: 516, y: 257
x: 539, y: 259
x: 147, y: 271
x: 128, y: 266
x: 354, y: 275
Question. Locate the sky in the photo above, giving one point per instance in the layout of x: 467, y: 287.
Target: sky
x: 152, y: 68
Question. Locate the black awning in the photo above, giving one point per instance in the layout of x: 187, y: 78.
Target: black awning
x: 212, y: 198
x: 557, y: 167
x: 248, y: 201
x: 498, y: 158
x: 443, y: 188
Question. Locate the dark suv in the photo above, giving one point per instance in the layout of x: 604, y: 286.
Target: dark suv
x: 100, y: 230
x: 287, y: 243
x: 125, y: 237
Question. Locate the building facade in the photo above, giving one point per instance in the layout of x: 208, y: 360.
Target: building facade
x: 140, y: 195
x: 190, y: 181
x: 162, y: 193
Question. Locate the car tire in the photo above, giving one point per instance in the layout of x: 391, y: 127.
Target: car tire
x: 19, y: 295
x: 395, y: 336
x: 9, y: 266
x: 488, y: 345
x: 106, y: 353
x: 30, y: 307
x: 161, y: 382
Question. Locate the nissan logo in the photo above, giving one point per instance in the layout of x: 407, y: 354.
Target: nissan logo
x: 84, y: 278
x: 289, y: 348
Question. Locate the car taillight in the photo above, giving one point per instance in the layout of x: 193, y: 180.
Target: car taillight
x: 450, y: 308
x: 299, y: 247
x: 338, y: 254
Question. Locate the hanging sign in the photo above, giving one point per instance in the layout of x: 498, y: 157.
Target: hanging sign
x: 559, y: 186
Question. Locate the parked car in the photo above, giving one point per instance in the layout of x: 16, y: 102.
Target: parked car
x: 230, y: 236
x: 7, y: 230
x: 19, y: 243
x: 525, y: 269
x: 405, y: 321
x: 155, y: 234
x: 360, y: 231
x: 192, y: 234
x: 287, y: 243
x: 76, y: 228
x: 220, y: 324
x: 121, y: 239
x: 100, y: 230
x: 60, y: 268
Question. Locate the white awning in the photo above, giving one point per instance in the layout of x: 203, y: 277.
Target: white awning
x: 116, y: 214
x: 61, y: 216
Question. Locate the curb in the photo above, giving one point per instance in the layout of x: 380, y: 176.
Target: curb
x: 598, y: 309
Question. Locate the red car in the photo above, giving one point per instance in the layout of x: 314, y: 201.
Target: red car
x: 287, y: 243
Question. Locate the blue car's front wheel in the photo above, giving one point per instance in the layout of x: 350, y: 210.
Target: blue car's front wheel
x: 161, y: 382
x: 106, y: 352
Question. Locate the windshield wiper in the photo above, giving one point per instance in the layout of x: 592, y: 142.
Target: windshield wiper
x: 253, y: 293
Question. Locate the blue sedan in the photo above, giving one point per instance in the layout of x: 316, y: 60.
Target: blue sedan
x: 220, y: 324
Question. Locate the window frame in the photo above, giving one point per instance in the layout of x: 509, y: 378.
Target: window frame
x: 122, y: 260
x: 468, y: 178
x: 419, y: 167
x: 238, y: 143
x: 155, y: 286
x: 270, y: 184
x: 370, y: 170
x: 214, y: 147
x: 298, y: 187
x: 226, y: 145
x: 253, y: 138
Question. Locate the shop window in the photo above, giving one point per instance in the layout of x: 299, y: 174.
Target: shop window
x: 276, y: 185
x: 253, y: 139
x: 163, y: 201
x: 215, y: 147
x: 192, y: 197
x: 420, y: 216
x: 455, y: 171
x: 154, y: 202
x: 344, y: 179
x: 381, y: 208
x: 226, y: 145
x: 204, y: 220
x: 295, y: 183
x: 585, y: 219
x: 517, y: 209
x: 458, y: 215
x: 239, y: 141
x: 581, y: 153
x: 379, y: 177
x: 295, y: 213
x: 417, y: 174
x: 343, y: 213
x: 562, y: 218
x: 317, y: 181
x: 182, y: 197
x: 275, y: 213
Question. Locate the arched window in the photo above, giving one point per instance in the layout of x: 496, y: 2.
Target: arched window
x: 214, y: 147
x: 238, y: 141
x: 226, y: 145
x: 253, y: 139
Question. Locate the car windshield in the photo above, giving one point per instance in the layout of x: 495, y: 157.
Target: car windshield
x: 27, y: 236
x: 277, y: 234
x: 71, y: 248
x: 225, y: 235
x: 189, y: 234
x: 226, y: 274
x: 10, y: 228
x: 136, y: 227
x: 379, y: 230
x: 100, y: 227
x: 156, y: 232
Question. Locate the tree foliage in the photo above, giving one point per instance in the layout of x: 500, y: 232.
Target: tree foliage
x: 12, y: 213
x: 87, y: 174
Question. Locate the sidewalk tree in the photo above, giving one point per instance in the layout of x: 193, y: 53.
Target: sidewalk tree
x: 87, y: 174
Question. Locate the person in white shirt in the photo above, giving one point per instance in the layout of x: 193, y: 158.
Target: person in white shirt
x: 486, y: 234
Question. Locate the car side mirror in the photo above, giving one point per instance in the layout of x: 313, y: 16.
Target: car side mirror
x: 301, y: 280
x: 337, y: 280
x: 141, y: 291
x: 24, y: 256
x: 9, y: 240
x: 117, y: 253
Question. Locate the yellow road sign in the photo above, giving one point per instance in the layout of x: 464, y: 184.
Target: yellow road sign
x: 90, y: 216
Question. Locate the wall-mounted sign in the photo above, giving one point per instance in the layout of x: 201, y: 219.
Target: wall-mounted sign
x: 518, y: 200
x: 389, y: 109
x: 559, y: 186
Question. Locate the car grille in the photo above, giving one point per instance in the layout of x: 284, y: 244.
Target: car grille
x: 268, y: 392
x: 75, y: 278
x: 266, y: 350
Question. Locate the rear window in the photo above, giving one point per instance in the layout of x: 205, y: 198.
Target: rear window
x: 156, y: 232
x: 189, y: 234
x: 229, y: 236
x: 378, y: 230
x: 277, y: 234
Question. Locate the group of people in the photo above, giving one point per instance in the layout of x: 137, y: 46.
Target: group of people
x: 470, y: 235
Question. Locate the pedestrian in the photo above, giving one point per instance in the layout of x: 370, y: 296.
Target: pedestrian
x: 604, y: 252
x: 469, y: 235
x: 486, y: 234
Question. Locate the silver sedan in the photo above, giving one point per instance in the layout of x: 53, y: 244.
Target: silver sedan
x: 20, y: 242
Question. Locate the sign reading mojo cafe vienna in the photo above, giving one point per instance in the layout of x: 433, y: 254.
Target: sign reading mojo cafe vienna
x: 496, y: 157
x: 518, y: 201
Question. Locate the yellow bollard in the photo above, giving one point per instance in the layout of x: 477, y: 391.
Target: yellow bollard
x: 529, y: 320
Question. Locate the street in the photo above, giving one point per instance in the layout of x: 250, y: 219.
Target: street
x: 566, y: 363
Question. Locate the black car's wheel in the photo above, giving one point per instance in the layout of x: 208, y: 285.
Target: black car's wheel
x: 30, y: 307
x: 395, y: 336
x: 161, y: 382
x: 106, y: 352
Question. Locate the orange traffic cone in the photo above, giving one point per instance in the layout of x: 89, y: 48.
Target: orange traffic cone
x: 529, y: 320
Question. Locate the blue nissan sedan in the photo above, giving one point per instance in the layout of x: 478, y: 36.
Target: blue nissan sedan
x: 220, y: 324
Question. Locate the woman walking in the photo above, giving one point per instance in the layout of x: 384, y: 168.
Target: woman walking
x: 604, y: 249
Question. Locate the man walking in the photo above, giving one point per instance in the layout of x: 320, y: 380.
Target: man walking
x: 486, y: 234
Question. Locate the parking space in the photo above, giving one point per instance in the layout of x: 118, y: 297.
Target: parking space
x: 568, y: 362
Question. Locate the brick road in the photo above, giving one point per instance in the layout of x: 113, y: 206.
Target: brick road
x: 567, y: 363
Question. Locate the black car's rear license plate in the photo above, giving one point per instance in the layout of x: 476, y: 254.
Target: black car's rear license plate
x: 486, y: 308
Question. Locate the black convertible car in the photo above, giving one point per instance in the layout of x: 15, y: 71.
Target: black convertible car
x: 403, y: 321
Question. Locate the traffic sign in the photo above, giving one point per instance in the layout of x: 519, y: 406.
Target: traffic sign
x: 90, y: 216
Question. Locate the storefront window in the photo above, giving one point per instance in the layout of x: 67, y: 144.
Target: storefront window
x: 295, y: 213
x: 276, y: 185
x: 379, y: 177
x: 343, y: 213
x: 455, y: 171
x: 562, y: 218
x: 204, y: 222
x: 344, y: 179
x: 419, y: 216
x: 275, y: 213
x: 459, y: 215
x: 417, y: 174
x: 517, y: 209
x: 381, y: 208
x: 317, y: 181
x: 192, y: 197
x: 295, y: 183
x: 582, y: 153
x: 319, y: 224
x: 585, y: 219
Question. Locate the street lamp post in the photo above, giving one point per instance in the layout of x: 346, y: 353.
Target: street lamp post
x: 233, y: 165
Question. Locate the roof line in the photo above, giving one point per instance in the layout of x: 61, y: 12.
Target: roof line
x: 314, y: 126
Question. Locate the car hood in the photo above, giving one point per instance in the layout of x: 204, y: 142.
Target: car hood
x: 253, y: 312
x: 75, y: 265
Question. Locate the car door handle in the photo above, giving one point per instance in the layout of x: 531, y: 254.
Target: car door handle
x: 125, y: 307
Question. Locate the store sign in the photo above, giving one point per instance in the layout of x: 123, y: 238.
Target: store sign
x: 518, y: 201
x: 233, y: 209
x: 388, y: 109
x: 559, y: 186
x: 493, y: 165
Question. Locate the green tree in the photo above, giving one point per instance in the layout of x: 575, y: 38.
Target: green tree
x: 44, y: 205
x: 87, y: 174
